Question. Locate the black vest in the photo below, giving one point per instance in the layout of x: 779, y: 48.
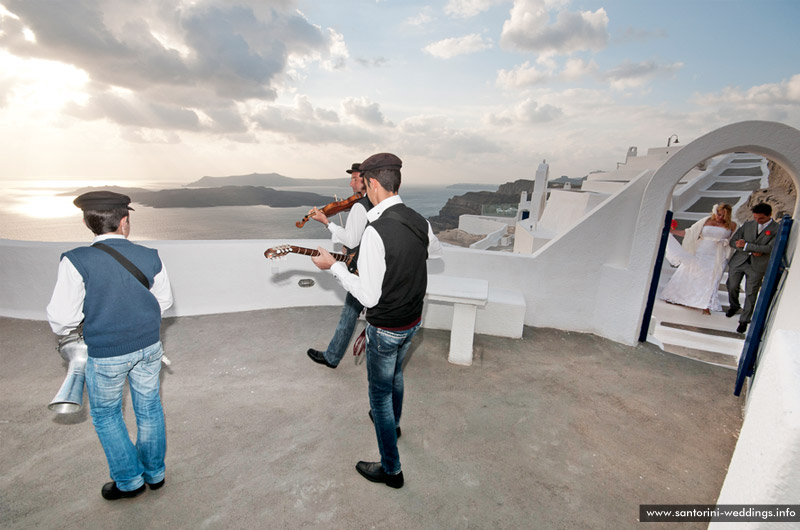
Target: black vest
x: 352, y: 265
x: 404, y: 233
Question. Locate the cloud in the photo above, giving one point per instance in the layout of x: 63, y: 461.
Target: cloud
x: 430, y: 136
x: 423, y: 18
x: 182, y: 61
x: 131, y: 111
x: 139, y: 136
x: 303, y: 123
x: 522, y: 76
x: 337, y: 51
x: 376, y: 62
x: 526, y: 76
x: 783, y: 93
x: 529, y: 28
x: 576, y: 68
x: 625, y: 76
x: 365, y: 111
x: 469, y: 8
x: 449, y: 48
x: 7, y: 84
x: 634, y: 75
x: 528, y: 111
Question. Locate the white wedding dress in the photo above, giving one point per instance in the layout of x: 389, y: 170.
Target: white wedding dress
x: 696, y: 282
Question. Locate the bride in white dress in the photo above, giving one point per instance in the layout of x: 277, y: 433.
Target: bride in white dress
x: 702, y: 259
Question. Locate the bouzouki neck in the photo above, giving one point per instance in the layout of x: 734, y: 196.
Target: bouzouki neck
x: 283, y: 250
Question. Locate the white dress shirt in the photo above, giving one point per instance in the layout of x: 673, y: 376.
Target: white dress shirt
x: 366, y: 286
x: 350, y: 235
x: 65, y: 310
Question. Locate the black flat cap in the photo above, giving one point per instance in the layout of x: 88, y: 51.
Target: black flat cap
x: 354, y: 168
x: 102, y: 200
x: 381, y: 161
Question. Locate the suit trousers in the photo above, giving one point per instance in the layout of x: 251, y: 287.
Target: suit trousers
x: 753, y: 279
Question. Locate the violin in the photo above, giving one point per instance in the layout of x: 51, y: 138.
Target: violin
x: 333, y: 208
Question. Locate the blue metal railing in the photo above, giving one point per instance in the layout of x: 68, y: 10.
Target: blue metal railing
x: 777, y: 264
x: 651, y: 296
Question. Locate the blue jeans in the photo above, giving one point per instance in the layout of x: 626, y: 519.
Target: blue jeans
x: 344, y: 330
x: 385, y: 353
x: 129, y: 466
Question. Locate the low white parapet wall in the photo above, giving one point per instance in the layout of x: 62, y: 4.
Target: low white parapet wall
x: 207, y: 276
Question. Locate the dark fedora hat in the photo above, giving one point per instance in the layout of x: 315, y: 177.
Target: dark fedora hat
x: 354, y: 168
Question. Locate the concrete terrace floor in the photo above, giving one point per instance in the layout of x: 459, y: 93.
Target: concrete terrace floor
x: 556, y: 430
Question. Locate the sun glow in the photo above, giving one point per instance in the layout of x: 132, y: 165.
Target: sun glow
x: 45, y: 205
x: 51, y: 198
x: 43, y: 85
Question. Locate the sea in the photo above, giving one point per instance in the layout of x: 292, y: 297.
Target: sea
x: 42, y: 210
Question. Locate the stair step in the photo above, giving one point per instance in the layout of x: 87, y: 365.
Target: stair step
x: 721, y: 342
x: 707, y: 331
x: 710, y: 357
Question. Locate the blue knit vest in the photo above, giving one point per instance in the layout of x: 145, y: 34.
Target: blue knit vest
x: 120, y: 314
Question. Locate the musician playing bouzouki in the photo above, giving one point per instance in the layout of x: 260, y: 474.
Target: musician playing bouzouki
x: 350, y: 237
x: 391, y: 283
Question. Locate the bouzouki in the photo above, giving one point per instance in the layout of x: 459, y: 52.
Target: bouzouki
x: 284, y: 250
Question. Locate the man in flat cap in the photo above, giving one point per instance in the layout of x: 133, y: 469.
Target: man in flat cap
x: 350, y: 237
x: 391, y: 284
x: 121, y: 326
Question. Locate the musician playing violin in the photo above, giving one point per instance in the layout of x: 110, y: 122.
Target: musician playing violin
x: 350, y: 236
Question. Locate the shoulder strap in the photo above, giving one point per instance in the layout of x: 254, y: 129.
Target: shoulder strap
x: 125, y: 262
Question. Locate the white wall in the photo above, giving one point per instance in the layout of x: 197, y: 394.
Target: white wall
x: 206, y: 276
x: 765, y: 467
x: 493, y: 227
x: 483, y: 224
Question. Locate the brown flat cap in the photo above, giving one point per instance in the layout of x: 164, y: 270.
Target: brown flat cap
x: 102, y: 200
x: 354, y: 169
x: 381, y: 161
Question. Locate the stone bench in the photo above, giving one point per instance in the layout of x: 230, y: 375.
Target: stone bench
x: 501, y: 313
x: 465, y: 295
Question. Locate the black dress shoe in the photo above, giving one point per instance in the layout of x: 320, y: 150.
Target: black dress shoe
x: 730, y: 312
x: 318, y: 357
x: 111, y: 492
x: 156, y: 485
x: 742, y: 327
x: 373, y: 422
x: 373, y: 471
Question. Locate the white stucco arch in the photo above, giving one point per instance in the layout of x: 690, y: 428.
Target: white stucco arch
x: 776, y: 141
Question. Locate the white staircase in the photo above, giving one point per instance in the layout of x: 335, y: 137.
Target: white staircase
x: 686, y: 331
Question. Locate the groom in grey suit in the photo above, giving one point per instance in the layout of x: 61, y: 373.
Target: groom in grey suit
x: 753, y: 243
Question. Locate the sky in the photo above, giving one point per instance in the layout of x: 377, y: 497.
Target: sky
x: 464, y: 91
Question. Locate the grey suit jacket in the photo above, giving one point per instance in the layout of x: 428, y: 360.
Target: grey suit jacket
x: 755, y: 243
